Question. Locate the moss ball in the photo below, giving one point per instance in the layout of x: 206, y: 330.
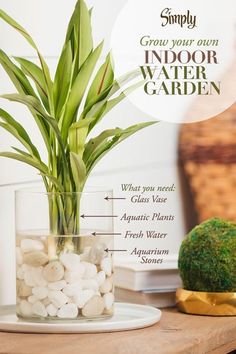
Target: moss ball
x: 207, y: 257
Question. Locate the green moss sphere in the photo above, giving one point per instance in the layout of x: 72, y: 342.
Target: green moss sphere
x: 207, y: 257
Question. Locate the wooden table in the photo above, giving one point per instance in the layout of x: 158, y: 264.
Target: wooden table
x: 176, y: 334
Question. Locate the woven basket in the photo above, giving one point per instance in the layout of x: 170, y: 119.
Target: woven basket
x: 207, y: 152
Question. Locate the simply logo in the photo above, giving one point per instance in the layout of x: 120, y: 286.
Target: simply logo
x: 188, y: 20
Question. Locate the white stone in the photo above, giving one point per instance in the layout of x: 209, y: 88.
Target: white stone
x: 46, y: 302
x: 109, y: 300
x: 57, y: 298
x: 106, y: 265
x: 29, y: 245
x: 51, y: 310
x: 20, y: 273
x: 97, y: 253
x: 35, y: 258
x: 72, y: 289
x: 53, y: 271
x: 23, y: 290
x: 19, y: 256
x: 39, y: 279
x: 106, y: 286
x: 25, y: 267
x: 90, y: 270
x: 84, y: 257
x: 75, y: 276
x: 100, y: 277
x: 39, y: 309
x: 70, y: 261
x: 90, y: 284
x: 94, y: 307
x: 41, y: 292
x: 25, y: 308
x: 68, y: 311
x: 58, y: 285
x: 82, y: 297
x: 32, y: 299
x: 29, y: 278
x: 34, y: 277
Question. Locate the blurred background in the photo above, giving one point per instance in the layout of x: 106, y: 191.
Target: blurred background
x: 199, y: 159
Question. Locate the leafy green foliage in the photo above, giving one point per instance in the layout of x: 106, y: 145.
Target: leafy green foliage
x: 65, y: 109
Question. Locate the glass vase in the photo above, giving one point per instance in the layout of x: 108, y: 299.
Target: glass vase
x: 64, y: 258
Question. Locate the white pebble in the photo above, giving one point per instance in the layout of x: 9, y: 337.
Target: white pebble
x: 106, y: 265
x: 84, y: 257
x: 72, y: 289
x: 53, y: 271
x: 20, y: 273
x: 34, y: 277
x: 90, y: 284
x: 68, y: 311
x: 70, y: 261
x: 109, y: 300
x: 58, y: 285
x: 39, y: 279
x: 97, y: 253
x: 75, y: 276
x: 25, y: 308
x: 23, y: 290
x: 90, y: 270
x: 46, y: 301
x: 19, y: 256
x: 94, y: 307
x: 41, y: 292
x: 35, y: 258
x: 32, y: 299
x: 82, y: 297
x: 107, y: 286
x: 29, y: 277
x: 51, y: 310
x: 29, y: 245
x: 58, y: 298
x: 100, y: 277
x: 39, y: 309
x: 25, y: 267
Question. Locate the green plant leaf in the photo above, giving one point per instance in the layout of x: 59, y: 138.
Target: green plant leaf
x: 35, y: 73
x: 4, y: 16
x: 35, y: 104
x: 108, y: 93
x: 103, y: 107
x: 9, y: 20
x: 103, y: 80
x: 115, y: 101
x: 77, y: 136
x: 97, y: 147
x: 17, y: 130
x: 18, y: 78
x: 78, y: 90
x: 62, y: 81
x: 26, y: 159
x: 80, y: 33
x: 78, y: 170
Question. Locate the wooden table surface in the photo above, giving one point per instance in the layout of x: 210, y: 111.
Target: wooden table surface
x: 176, y: 334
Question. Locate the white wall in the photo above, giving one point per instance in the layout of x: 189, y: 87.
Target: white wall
x: 148, y: 158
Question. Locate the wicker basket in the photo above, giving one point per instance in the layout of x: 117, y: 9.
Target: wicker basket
x: 207, y: 152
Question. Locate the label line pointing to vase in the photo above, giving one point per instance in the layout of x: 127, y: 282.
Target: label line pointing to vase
x: 107, y: 250
x: 107, y: 198
x: 98, y: 216
x: 106, y: 234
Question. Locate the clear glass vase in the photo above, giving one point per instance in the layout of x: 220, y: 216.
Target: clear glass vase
x: 64, y: 258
